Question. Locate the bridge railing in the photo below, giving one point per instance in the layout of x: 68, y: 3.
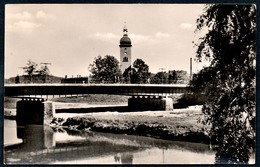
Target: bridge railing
x: 81, y: 89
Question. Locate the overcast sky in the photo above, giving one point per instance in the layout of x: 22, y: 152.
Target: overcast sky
x: 71, y: 36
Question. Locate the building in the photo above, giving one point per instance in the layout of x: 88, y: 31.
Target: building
x: 125, y: 51
x: 83, y: 80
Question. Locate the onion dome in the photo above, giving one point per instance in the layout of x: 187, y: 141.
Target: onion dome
x: 125, y: 41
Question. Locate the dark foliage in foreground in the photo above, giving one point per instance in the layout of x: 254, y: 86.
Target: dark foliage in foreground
x: 229, y: 81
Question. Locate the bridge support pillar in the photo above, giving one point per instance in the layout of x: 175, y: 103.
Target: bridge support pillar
x: 34, y: 111
x: 168, y: 103
x: 49, y: 110
x: 153, y: 103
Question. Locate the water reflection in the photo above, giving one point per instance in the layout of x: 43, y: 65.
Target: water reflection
x: 36, y: 137
x: 39, y: 146
x: 124, y: 158
x: 43, y: 145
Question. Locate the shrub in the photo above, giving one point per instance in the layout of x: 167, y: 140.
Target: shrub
x: 190, y: 100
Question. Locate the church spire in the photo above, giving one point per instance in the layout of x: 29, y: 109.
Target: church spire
x: 125, y: 30
x: 125, y: 50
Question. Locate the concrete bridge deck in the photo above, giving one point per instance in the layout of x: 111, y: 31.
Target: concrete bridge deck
x: 34, y: 90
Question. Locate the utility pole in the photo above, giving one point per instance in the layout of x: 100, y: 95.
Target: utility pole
x: 190, y: 68
x: 162, y: 70
x: 45, y: 64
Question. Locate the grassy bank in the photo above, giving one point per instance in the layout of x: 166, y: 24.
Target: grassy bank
x: 180, y: 124
x: 94, y: 99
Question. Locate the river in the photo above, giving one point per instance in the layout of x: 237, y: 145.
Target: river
x: 37, y: 144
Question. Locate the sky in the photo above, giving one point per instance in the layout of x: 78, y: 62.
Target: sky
x: 70, y: 36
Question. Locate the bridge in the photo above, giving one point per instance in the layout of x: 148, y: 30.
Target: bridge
x: 54, y: 90
x: 34, y: 108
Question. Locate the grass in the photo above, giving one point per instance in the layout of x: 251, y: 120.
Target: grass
x: 10, y: 103
x: 94, y: 99
x: 180, y: 124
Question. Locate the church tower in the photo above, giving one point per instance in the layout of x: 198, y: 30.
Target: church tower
x: 125, y: 51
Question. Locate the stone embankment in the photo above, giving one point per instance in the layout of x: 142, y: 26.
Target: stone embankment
x: 180, y: 124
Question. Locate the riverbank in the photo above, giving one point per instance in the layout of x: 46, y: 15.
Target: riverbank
x: 10, y: 108
x: 180, y: 124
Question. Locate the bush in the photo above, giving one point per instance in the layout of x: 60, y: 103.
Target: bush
x: 190, y: 100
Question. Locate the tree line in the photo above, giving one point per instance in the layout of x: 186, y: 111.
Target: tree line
x: 107, y: 70
x: 31, y: 68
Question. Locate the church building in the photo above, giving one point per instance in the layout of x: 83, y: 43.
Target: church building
x: 125, y: 51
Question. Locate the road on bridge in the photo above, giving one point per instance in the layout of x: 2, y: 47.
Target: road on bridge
x: 31, y: 90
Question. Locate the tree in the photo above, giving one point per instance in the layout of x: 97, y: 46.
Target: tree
x: 105, y: 70
x: 229, y: 81
x: 159, y: 78
x: 30, y: 68
x: 182, y: 76
x: 172, y: 77
x: 44, y: 70
x: 130, y: 75
x: 142, y: 71
x: 17, y: 79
